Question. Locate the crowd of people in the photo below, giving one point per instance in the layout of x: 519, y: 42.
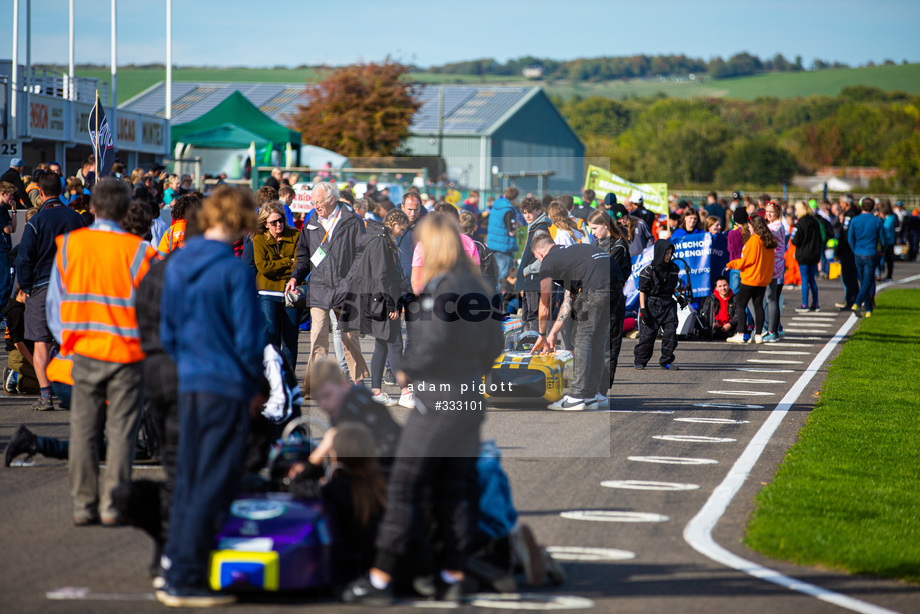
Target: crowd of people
x: 195, y: 325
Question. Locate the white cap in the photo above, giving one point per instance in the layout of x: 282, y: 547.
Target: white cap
x: 636, y: 197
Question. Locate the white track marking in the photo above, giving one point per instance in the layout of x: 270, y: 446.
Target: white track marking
x: 647, y: 485
x: 627, y: 411
x: 613, y: 516
x: 693, y: 438
x: 673, y: 460
x: 773, y: 361
x: 743, y: 393
x: 529, y: 601
x: 754, y: 381
x: 728, y: 405
x: 577, y: 553
x: 764, y: 370
x: 783, y: 344
x: 796, y: 338
x: 82, y: 593
x: 784, y: 352
x: 698, y: 532
x: 817, y: 314
x: 794, y: 329
x: 712, y: 420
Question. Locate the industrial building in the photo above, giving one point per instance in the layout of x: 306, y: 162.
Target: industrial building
x: 487, y: 136
x: 46, y: 120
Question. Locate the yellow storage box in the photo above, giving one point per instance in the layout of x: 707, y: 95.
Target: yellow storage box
x: 520, y: 376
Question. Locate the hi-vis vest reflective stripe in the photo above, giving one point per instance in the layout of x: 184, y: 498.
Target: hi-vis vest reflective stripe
x: 60, y: 369
x: 554, y: 230
x: 174, y: 238
x: 99, y: 272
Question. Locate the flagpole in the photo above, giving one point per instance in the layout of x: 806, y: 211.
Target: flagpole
x: 96, y: 140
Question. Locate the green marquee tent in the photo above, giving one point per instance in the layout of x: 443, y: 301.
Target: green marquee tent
x: 228, y: 136
x: 231, y: 121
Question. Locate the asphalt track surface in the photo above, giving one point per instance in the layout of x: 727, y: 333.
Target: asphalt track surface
x: 573, y: 475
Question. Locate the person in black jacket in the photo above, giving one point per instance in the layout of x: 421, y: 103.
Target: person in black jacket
x: 452, y: 348
x: 37, y: 250
x: 13, y: 175
x: 848, y: 273
x: 536, y: 293
x: 375, y: 286
x: 808, y: 250
x: 610, y: 239
x: 657, y: 307
x: 326, y: 251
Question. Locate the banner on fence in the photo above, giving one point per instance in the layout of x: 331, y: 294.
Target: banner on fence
x: 604, y: 182
x: 704, y: 254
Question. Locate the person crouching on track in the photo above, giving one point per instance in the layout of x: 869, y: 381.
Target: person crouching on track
x: 592, y: 281
x: 438, y: 449
x: 657, y: 307
x: 718, y: 310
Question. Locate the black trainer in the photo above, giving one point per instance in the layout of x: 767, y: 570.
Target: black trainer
x: 363, y: 592
x: 24, y: 441
x: 670, y: 367
x: 388, y: 378
x: 638, y: 366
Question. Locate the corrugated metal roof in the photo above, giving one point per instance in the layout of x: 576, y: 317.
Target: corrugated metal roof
x: 468, y: 109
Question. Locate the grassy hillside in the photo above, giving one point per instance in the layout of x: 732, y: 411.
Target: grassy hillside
x: 782, y: 85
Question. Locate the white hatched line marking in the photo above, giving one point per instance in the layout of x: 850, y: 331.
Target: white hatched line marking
x: 694, y: 438
x: 614, y: 516
x: 712, y: 420
x: 647, y: 485
x: 754, y: 381
x: 673, y: 460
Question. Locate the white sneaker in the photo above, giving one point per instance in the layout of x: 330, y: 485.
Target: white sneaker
x: 758, y: 338
x: 407, y: 400
x: 600, y: 402
x: 736, y: 338
x: 384, y: 398
x: 568, y: 403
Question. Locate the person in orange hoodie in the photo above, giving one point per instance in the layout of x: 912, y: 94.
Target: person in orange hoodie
x: 756, y: 268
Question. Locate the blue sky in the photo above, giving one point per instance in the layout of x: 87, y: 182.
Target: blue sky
x: 426, y: 32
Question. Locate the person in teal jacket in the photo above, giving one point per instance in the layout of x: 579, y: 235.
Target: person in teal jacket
x: 500, y: 237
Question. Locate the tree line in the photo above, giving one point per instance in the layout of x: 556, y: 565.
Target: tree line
x: 761, y: 143
x: 632, y: 67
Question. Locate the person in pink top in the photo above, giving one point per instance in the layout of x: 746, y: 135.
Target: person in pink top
x: 774, y: 294
x: 418, y: 258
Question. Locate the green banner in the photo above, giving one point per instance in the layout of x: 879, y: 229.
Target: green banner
x: 604, y: 182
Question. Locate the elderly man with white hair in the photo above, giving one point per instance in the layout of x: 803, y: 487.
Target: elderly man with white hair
x: 326, y: 251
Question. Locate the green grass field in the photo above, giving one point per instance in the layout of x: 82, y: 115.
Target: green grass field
x: 782, y: 85
x: 847, y: 495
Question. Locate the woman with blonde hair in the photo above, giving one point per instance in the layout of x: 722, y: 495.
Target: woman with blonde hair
x: 274, y: 248
x: 453, y: 343
x: 774, y: 213
x: 563, y: 229
x: 713, y: 225
x: 809, y: 246
x: 211, y: 327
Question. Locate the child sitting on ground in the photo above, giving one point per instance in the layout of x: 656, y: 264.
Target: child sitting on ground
x: 511, y: 298
x: 353, y: 491
x: 718, y: 310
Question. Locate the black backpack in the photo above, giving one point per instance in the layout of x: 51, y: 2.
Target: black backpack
x: 487, y: 266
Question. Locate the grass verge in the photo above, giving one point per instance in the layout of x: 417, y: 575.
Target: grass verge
x: 847, y: 495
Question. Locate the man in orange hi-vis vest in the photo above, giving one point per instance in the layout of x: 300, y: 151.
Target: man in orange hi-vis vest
x: 90, y: 305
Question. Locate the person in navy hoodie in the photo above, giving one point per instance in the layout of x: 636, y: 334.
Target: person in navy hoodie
x: 865, y: 235
x: 212, y: 328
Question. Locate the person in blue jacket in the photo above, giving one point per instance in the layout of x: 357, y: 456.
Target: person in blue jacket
x: 865, y: 235
x: 501, y: 229
x: 212, y: 328
x: 689, y: 224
